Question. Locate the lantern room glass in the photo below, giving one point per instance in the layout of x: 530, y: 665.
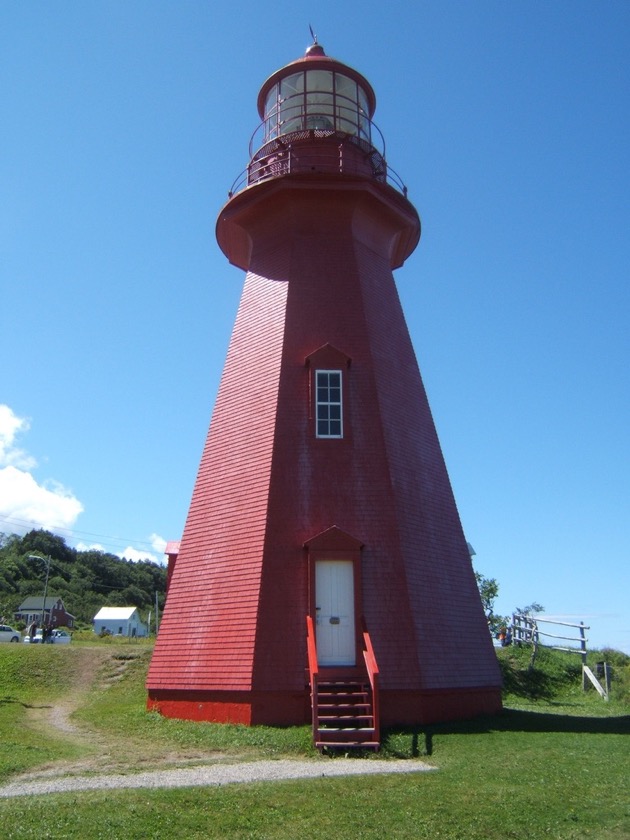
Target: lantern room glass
x: 316, y: 100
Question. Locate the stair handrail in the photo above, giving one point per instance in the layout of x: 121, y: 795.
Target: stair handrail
x: 373, y: 674
x: 313, y: 669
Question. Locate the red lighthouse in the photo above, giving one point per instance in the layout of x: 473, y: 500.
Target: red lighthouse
x: 323, y: 573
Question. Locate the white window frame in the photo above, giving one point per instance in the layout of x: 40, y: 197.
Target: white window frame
x: 323, y: 406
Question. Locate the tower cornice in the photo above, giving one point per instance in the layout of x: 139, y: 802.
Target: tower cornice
x: 273, y: 208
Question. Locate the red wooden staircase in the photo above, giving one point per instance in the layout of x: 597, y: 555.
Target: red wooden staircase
x: 345, y: 716
x: 345, y: 711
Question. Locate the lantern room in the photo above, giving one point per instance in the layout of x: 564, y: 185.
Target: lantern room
x: 316, y: 117
x: 316, y: 93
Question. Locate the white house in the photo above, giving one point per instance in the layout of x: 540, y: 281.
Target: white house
x: 119, y: 621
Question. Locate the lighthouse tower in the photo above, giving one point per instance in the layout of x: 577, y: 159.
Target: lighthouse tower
x: 323, y: 565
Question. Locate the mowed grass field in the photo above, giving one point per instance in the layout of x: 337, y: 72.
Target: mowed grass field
x: 555, y: 764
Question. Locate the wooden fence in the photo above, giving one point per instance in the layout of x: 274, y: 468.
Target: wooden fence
x: 525, y: 630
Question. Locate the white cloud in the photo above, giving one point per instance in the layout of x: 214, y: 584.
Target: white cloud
x: 24, y: 503
x: 10, y: 426
x: 81, y: 546
x: 136, y: 554
x: 27, y: 504
x: 158, y: 544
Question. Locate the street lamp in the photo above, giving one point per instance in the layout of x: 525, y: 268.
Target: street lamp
x: 47, y: 560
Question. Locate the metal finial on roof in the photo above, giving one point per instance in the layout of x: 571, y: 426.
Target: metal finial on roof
x: 315, y: 50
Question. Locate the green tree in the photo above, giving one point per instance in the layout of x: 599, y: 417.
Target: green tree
x: 489, y: 591
x: 530, y: 609
x: 85, y: 580
x: 50, y: 545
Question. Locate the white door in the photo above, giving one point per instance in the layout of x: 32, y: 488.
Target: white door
x: 334, y: 594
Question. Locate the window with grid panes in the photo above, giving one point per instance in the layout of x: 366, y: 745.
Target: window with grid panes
x: 328, y: 407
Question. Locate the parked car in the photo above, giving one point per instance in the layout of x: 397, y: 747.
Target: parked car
x: 8, y: 634
x: 61, y: 637
x: 58, y: 637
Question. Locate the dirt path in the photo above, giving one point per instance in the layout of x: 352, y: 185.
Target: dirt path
x: 90, y: 668
x: 98, y: 669
x: 87, y: 667
x: 109, y: 762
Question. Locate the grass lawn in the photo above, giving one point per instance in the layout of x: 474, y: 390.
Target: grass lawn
x: 556, y: 764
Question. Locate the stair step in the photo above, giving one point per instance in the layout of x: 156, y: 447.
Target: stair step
x: 334, y: 726
x: 343, y: 695
x: 351, y: 713
x: 355, y: 708
x: 345, y: 718
x: 344, y: 745
x: 345, y: 734
x: 355, y: 729
x: 342, y: 689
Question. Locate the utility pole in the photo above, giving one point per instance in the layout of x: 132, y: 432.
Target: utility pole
x: 47, y: 560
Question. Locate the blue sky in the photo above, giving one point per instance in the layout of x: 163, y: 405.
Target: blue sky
x: 124, y: 125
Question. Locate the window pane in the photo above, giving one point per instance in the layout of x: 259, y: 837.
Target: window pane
x: 344, y: 86
x: 347, y: 105
x: 319, y: 102
x: 291, y: 85
x: 348, y: 126
x: 364, y: 128
x: 271, y: 100
x: 319, y: 80
x: 291, y: 115
x: 363, y: 102
x: 328, y: 403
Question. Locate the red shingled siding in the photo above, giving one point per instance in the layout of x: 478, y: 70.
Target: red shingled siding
x: 235, y: 614
x: 208, y: 627
x: 451, y: 636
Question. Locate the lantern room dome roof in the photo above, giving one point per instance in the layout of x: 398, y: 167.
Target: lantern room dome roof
x: 314, y: 49
x: 316, y: 59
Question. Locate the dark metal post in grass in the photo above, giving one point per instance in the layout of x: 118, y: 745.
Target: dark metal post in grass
x: 47, y: 560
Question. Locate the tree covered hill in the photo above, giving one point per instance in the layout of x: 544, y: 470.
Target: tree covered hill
x: 86, y: 580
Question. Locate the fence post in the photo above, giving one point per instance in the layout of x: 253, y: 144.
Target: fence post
x: 534, y: 636
x: 583, y: 654
x: 607, y: 677
x: 583, y: 642
x: 516, y: 629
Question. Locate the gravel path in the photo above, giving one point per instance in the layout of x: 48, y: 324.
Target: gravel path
x: 62, y: 780
x: 214, y: 775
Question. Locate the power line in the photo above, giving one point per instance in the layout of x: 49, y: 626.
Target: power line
x: 74, y: 534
